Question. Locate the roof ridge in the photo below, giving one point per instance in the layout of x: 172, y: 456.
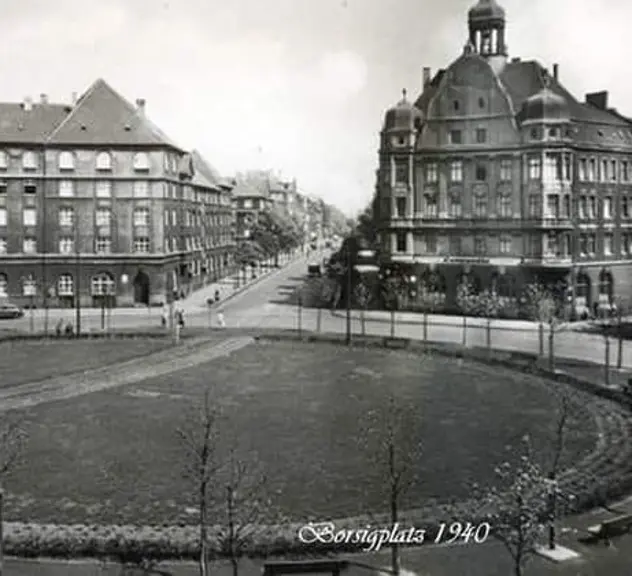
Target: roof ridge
x: 80, y: 102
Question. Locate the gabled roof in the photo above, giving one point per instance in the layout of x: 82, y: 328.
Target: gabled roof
x: 103, y: 117
x: 205, y: 175
x: 19, y: 125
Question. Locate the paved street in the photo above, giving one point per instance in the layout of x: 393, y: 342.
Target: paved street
x: 265, y: 305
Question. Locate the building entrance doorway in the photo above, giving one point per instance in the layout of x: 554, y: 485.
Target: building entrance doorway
x: 141, y: 288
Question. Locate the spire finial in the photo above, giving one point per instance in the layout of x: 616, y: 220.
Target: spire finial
x: 404, y: 94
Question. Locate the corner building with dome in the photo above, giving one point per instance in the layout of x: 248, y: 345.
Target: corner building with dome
x: 498, y: 174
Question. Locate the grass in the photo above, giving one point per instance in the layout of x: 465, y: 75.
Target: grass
x: 32, y: 360
x: 299, y: 409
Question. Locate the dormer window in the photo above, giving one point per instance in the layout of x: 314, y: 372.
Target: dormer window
x: 481, y: 103
x: 104, y: 161
x: 552, y: 132
x: 29, y: 160
x: 66, y: 161
x: 534, y: 133
x: 456, y: 105
x: 141, y: 161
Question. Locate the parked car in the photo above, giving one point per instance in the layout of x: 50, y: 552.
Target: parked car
x: 10, y: 311
x: 314, y: 270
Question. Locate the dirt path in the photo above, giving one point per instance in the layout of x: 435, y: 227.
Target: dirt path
x: 128, y: 372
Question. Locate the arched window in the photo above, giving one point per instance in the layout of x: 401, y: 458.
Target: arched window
x: 102, y: 285
x: 605, y: 287
x: 141, y: 161
x: 65, y: 285
x: 4, y: 285
x: 104, y: 161
x: 66, y: 161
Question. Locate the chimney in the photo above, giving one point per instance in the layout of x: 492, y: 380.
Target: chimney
x: 140, y: 103
x: 426, y: 72
x: 28, y: 103
x: 556, y: 69
x: 43, y: 98
x: 598, y: 99
x: 74, y: 98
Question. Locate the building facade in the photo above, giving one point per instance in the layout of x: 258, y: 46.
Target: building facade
x: 95, y: 203
x: 497, y: 174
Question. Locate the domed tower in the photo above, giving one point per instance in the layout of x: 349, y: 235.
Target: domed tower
x: 546, y: 114
x: 487, y: 28
x: 402, y: 124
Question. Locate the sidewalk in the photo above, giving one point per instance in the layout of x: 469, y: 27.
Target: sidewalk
x: 445, y: 320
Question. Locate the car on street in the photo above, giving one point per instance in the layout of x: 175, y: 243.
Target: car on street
x: 10, y: 311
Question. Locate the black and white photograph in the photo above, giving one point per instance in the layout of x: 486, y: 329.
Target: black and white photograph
x: 315, y: 287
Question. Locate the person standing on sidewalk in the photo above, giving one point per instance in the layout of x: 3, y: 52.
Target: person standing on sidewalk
x: 164, y: 316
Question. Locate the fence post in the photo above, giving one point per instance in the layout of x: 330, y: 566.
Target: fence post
x: 607, y: 360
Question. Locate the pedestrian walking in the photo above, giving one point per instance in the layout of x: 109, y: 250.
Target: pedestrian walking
x: 220, y: 319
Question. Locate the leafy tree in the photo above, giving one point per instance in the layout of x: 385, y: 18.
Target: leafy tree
x: 467, y: 302
x: 488, y: 306
x: 540, y: 306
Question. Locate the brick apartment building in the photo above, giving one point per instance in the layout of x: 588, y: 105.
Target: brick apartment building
x: 497, y: 172
x: 96, y: 201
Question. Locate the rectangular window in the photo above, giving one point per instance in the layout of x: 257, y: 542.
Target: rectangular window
x: 30, y: 188
x: 592, y: 207
x: 592, y: 170
x: 3, y: 245
x: 141, y: 189
x: 553, y: 206
x: 29, y: 246
x: 455, y: 245
x: 613, y: 171
x: 104, y: 189
x: 66, y: 188
x: 66, y: 216
x: 103, y: 217
x: 456, y: 137
x: 552, y: 168
x: 480, y: 205
x: 608, y: 244
x: 174, y: 217
x: 603, y: 172
x: 535, y: 168
x: 141, y: 217
x: 401, y: 173
x: 567, y: 168
x: 247, y: 203
x: 607, y: 208
x: 624, y: 172
x: 505, y: 244
x: 432, y: 172
x: 505, y: 170
x: 29, y: 217
x: 592, y: 244
x: 481, y: 172
x: 401, y: 242
x: 456, y: 171
x: 430, y: 240
x: 481, y: 135
x: 3, y: 216
x: 583, y: 172
x: 566, y: 206
x: 625, y: 207
x: 583, y: 245
x: 103, y: 245
x: 455, y: 208
x: 480, y: 246
x: 534, y: 206
x: 66, y: 245
x: 141, y: 245
x: 430, y: 206
x: 503, y: 207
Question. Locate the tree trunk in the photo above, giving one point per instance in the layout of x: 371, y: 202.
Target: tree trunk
x: 620, y: 345
x: 464, y: 331
x: 203, y: 532
x: 541, y: 336
x: 425, y: 326
x: 551, y: 349
x: 362, y: 322
x: 235, y: 566
x: 607, y: 361
x: 393, y: 323
x: 489, y: 335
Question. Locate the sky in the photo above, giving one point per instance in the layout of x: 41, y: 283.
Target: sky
x: 297, y: 86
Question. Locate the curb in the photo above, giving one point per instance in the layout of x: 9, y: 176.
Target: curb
x: 565, y: 327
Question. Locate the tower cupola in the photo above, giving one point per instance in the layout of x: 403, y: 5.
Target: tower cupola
x: 486, y: 22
